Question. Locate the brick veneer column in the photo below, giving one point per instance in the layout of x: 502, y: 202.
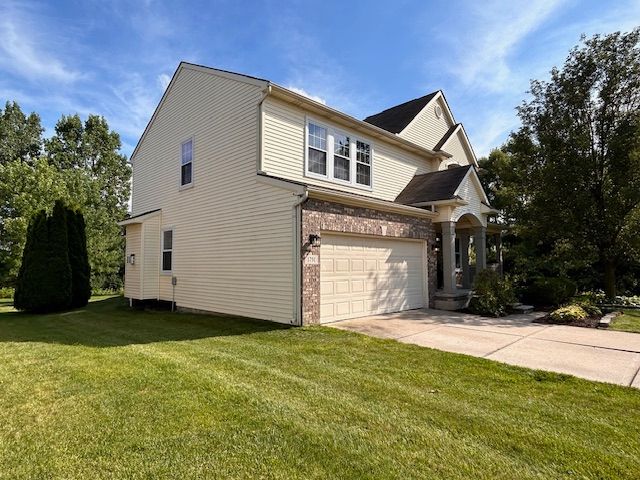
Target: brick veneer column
x: 322, y: 216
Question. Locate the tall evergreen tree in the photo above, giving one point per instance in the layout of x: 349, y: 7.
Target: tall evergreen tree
x: 78, y: 259
x: 34, y: 268
x: 57, y: 282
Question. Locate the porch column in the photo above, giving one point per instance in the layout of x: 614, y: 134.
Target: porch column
x: 449, y: 256
x: 480, y: 242
x: 498, y: 238
x: 464, y: 260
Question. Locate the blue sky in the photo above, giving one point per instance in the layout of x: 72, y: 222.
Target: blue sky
x: 114, y: 58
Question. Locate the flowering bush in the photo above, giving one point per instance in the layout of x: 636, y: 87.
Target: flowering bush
x: 568, y: 314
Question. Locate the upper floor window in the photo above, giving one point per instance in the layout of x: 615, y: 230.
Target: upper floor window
x: 363, y: 163
x: 317, y: 149
x: 350, y: 159
x: 167, y: 250
x: 341, y: 157
x: 186, y: 163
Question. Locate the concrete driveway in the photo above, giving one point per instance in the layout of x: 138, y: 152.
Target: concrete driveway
x: 601, y: 355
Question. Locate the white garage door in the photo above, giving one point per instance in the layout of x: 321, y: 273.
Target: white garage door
x: 365, y: 276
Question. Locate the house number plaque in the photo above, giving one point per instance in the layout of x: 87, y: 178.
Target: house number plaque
x: 311, y: 260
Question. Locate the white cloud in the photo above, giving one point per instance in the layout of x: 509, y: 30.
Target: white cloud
x: 482, y: 52
x: 163, y: 81
x: 303, y: 92
x: 23, y: 49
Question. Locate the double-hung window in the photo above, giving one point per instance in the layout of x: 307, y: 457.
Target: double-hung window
x: 167, y: 250
x: 186, y: 163
x: 341, y: 157
x: 363, y: 163
x: 317, y: 161
x: 338, y: 157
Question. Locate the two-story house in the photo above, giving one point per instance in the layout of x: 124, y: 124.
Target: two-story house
x: 250, y: 199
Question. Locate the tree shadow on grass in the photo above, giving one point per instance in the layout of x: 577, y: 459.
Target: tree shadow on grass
x: 110, y: 322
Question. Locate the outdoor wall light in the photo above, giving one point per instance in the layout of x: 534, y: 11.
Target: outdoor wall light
x: 314, y: 240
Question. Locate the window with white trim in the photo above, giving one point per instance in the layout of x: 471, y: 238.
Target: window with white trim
x: 363, y: 163
x: 317, y: 161
x: 350, y: 160
x: 186, y: 163
x: 341, y: 157
x: 167, y: 250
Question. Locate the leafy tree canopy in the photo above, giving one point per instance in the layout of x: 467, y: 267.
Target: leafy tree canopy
x: 80, y: 164
x: 569, y: 178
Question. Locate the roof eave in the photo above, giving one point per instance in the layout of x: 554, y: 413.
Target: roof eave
x: 336, y: 115
x: 140, y: 218
x: 361, y: 201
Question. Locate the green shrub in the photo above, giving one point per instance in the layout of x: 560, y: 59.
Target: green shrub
x: 550, y: 291
x: 568, y: 314
x: 54, y: 273
x: 492, y: 294
x: 33, y: 269
x: 591, y: 309
x: 57, y: 281
x: 78, y: 260
x: 6, y: 292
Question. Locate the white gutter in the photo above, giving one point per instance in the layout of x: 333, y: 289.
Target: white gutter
x: 458, y: 202
x: 346, y: 198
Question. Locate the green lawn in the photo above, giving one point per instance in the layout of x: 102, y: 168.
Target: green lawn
x: 107, y: 392
x: 629, y: 321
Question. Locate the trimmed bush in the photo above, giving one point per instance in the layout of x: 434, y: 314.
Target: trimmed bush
x: 55, y: 273
x: 78, y: 260
x: 549, y: 291
x: 492, y: 294
x: 6, y: 292
x: 568, y: 314
x: 57, y: 281
x: 29, y: 294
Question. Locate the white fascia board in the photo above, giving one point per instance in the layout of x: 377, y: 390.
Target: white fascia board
x: 139, y: 219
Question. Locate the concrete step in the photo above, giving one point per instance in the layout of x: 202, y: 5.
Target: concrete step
x: 520, y: 308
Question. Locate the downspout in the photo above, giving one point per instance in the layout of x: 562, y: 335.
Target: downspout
x: 297, y: 256
x: 265, y: 93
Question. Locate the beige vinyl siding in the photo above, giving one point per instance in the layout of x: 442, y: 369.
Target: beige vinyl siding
x: 232, y: 237
x: 457, y: 147
x: 426, y: 129
x: 469, y: 192
x: 133, y: 273
x: 284, y: 153
x: 151, y: 260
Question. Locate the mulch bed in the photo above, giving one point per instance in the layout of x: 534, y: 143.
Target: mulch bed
x: 591, y: 322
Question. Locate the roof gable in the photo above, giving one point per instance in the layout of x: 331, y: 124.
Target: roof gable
x: 460, y: 135
x: 192, y: 66
x: 396, y: 119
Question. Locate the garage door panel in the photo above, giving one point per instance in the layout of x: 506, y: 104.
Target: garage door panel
x: 366, y: 275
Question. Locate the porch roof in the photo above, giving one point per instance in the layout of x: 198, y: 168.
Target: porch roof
x: 432, y: 187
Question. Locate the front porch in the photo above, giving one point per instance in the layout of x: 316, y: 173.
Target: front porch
x: 464, y: 248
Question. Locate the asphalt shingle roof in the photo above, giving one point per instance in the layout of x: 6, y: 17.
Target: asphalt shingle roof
x: 395, y: 119
x: 434, y: 186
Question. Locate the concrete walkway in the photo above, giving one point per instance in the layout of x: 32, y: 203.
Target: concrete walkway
x: 602, y: 355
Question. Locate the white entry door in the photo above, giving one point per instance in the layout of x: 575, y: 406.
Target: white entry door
x: 362, y: 276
